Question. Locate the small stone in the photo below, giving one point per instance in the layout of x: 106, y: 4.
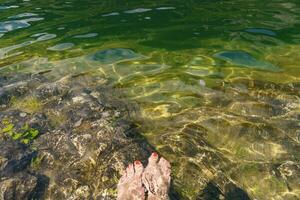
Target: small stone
x: 95, y: 94
x: 23, y: 114
x: 105, y: 114
x: 78, y: 99
x: 202, y: 82
x: 104, y: 178
x: 117, y: 114
x: 78, y: 123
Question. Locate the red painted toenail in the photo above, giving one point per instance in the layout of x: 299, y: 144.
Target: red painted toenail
x: 137, y: 162
x: 154, y: 154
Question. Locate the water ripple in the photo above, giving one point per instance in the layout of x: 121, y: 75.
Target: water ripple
x: 23, y: 15
x: 8, y: 7
x: 138, y: 10
x: 8, y: 26
x: 88, y: 35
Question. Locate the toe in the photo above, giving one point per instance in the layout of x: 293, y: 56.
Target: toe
x: 130, y: 170
x: 165, y: 166
x: 123, y: 177
x: 153, y: 158
x: 123, y: 172
x: 138, y: 168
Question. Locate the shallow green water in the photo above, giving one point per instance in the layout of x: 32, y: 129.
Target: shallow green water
x: 216, y: 83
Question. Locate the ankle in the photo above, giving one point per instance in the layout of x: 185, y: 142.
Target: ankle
x: 158, y: 197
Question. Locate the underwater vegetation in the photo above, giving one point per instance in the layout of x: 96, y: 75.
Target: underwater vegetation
x: 26, y: 104
x: 24, y: 135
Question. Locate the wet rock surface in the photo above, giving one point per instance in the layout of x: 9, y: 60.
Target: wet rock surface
x: 17, y: 182
x: 83, y: 142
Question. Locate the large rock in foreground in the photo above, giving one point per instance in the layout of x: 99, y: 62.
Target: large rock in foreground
x: 84, y: 141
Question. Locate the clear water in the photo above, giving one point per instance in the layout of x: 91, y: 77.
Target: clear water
x: 216, y: 83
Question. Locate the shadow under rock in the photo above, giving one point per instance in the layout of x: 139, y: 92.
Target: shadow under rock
x: 213, y: 192
x: 41, y: 186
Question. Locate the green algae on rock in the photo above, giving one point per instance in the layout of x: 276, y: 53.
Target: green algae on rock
x: 27, y: 104
x: 25, y: 135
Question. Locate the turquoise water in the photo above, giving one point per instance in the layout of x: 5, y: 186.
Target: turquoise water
x: 216, y: 83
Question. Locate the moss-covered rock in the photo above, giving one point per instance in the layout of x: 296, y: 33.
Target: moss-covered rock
x: 76, y: 140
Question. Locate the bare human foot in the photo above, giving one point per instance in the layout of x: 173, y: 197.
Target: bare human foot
x: 130, y: 186
x: 156, y: 178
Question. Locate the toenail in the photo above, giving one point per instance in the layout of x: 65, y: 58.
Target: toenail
x: 137, y: 162
x: 154, y: 154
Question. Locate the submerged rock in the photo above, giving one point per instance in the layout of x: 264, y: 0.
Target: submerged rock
x: 244, y: 59
x: 16, y: 155
x: 83, y: 143
x: 51, y: 89
x: 19, y: 187
x: 261, y: 31
x: 61, y: 47
x: 15, y: 180
x: 110, y: 56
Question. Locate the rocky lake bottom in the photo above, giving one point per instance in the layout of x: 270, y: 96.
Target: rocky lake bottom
x: 71, y: 138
